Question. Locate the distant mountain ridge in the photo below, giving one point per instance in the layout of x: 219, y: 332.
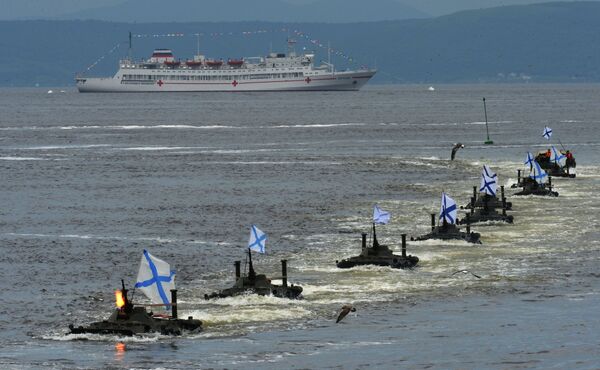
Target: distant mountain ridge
x: 337, y: 11
x: 539, y: 43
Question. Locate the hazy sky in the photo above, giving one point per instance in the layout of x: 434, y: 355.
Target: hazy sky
x: 15, y: 9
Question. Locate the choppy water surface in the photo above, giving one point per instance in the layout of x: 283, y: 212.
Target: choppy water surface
x: 88, y: 181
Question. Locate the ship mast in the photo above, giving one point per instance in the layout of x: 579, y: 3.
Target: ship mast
x: 198, y: 44
x: 291, y: 46
x: 130, y: 46
x: 329, y: 55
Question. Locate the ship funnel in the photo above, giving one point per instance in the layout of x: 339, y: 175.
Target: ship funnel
x: 468, y: 224
x: 174, y: 303
x: 403, y: 245
x: 284, y: 273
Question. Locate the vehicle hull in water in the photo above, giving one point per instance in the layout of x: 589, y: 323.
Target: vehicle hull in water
x: 138, y: 321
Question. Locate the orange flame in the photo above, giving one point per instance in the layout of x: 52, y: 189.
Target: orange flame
x: 119, y: 298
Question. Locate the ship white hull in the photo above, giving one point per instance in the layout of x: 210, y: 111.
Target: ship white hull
x: 338, y: 81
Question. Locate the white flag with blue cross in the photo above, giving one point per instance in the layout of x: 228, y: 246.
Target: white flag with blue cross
x: 380, y: 217
x: 258, y: 240
x: 155, y: 279
x: 448, y: 210
x: 547, y: 132
x: 489, y: 181
x: 538, y: 174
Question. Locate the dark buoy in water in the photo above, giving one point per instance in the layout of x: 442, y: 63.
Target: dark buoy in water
x: 488, y: 141
x: 379, y: 255
x: 254, y: 283
x: 129, y: 319
x: 448, y: 230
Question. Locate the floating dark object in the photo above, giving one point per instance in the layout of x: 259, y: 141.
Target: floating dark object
x: 379, y: 255
x: 258, y: 284
x: 553, y: 168
x: 531, y: 187
x: 484, y: 208
x: 129, y: 319
x: 448, y: 231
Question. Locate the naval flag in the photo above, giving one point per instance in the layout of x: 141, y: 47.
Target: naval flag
x: 448, y: 210
x: 380, y: 217
x: 258, y: 239
x: 155, y: 279
x: 529, y: 160
x: 489, y: 181
x: 538, y: 174
x: 547, y: 132
x: 557, y: 157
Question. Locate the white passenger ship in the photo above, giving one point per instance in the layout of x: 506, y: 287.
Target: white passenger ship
x: 275, y: 72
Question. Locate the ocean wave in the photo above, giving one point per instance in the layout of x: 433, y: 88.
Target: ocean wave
x: 118, y: 127
x: 115, y: 237
x: 323, y: 125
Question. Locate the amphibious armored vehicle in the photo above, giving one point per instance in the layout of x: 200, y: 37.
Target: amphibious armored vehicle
x: 129, y: 319
x: 254, y: 283
x: 379, y: 255
x: 448, y: 231
x: 555, y: 169
x: 532, y: 187
x: 483, y: 208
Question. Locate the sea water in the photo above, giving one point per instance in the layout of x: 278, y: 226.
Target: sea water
x: 90, y: 180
